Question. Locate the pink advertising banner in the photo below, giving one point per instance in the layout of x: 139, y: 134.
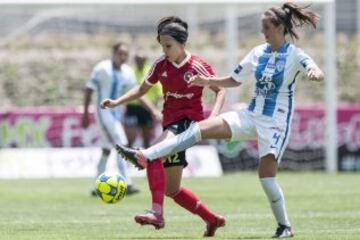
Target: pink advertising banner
x: 50, y: 127
x: 45, y: 127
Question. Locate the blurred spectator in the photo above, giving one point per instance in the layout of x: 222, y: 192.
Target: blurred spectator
x: 137, y: 117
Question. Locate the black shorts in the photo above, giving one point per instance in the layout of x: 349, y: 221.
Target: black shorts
x: 137, y: 115
x: 177, y: 159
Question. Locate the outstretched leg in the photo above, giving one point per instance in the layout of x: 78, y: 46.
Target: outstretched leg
x: 213, y: 128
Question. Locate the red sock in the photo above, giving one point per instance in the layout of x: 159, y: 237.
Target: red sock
x: 156, y: 179
x: 191, y: 202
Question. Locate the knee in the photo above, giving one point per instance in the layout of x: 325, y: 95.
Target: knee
x: 171, y: 192
x: 268, y: 166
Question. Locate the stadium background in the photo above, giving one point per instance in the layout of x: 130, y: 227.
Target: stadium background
x: 51, y: 49
x: 47, y: 52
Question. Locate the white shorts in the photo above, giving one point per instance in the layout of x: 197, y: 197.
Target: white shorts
x: 112, y: 131
x: 271, y: 133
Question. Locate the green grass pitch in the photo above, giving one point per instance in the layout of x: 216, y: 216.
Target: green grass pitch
x: 320, y: 206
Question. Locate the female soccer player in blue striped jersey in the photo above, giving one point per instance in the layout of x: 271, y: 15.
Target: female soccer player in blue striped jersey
x: 276, y: 65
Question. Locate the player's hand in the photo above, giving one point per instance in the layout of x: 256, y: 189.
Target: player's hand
x: 108, y: 103
x: 315, y: 74
x: 198, y: 80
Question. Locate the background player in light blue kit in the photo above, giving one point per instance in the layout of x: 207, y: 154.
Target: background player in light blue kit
x: 111, y: 78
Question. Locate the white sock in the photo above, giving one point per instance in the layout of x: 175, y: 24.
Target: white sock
x: 123, y: 169
x: 175, y: 144
x: 276, y: 199
x: 102, y: 164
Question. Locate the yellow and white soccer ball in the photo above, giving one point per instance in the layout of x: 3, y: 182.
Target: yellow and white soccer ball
x: 111, y: 188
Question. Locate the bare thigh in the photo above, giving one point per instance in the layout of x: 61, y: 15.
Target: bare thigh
x: 215, y: 128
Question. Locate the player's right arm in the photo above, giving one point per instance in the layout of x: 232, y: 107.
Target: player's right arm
x: 135, y: 93
x: 242, y: 71
x: 87, y: 99
x: 93, y: 81
x: 226, y: 82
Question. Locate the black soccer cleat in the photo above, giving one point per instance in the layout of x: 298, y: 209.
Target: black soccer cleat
x: 93, y: 193
x: 283, y: 231
x: 130, y: 190
x: 132, y: 156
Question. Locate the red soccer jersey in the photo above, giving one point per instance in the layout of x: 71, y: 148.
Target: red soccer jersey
x: 180, y: 101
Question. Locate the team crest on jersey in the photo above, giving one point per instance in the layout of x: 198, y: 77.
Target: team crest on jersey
x: 238, y: 69
x: 188, y: 75
x: 280, y: 65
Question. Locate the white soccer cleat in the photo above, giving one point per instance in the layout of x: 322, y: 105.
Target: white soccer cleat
x: 283, y: 231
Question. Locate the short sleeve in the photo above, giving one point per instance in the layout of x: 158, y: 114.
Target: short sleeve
x: 94, y: 79
x: 127, y: 80
x: 152, y: 76
x: 132, y: 80
x: 244, y: 68
x: 304, y: 62
x: 202, y: 68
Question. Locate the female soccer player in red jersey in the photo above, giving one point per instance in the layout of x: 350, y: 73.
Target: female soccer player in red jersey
x: 275, y: 65
x: 182, y: 107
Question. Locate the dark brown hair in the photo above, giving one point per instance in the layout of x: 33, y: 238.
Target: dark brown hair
x: 174, y: 27
x: 117, y: 45
x: 291, y: 15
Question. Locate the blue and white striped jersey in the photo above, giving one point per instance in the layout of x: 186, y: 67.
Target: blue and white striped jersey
x: 109, y: 82
x: 276, y: 74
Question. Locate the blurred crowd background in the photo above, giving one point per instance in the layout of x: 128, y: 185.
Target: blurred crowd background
x: 47, y: 53
x: 52, y: 49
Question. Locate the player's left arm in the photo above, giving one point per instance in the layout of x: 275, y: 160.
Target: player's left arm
x: 307, y: 65
x: 314, y: 73
x: 219, y: 100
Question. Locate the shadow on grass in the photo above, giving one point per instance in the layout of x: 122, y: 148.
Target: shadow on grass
x: 251, y: 237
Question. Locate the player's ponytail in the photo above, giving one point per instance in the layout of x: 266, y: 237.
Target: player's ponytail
x: 173, y: 26
x: 291, y: 15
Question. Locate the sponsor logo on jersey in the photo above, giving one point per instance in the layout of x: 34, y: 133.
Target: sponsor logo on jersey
x: 238, y: 69
x: 178, y: 95
x: 277, y: 129
x: 305, y: 62
x: 266, y: 83
x: 280, y: 110
x: 188, y: 75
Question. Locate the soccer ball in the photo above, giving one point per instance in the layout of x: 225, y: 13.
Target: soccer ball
x: 111, y: 188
